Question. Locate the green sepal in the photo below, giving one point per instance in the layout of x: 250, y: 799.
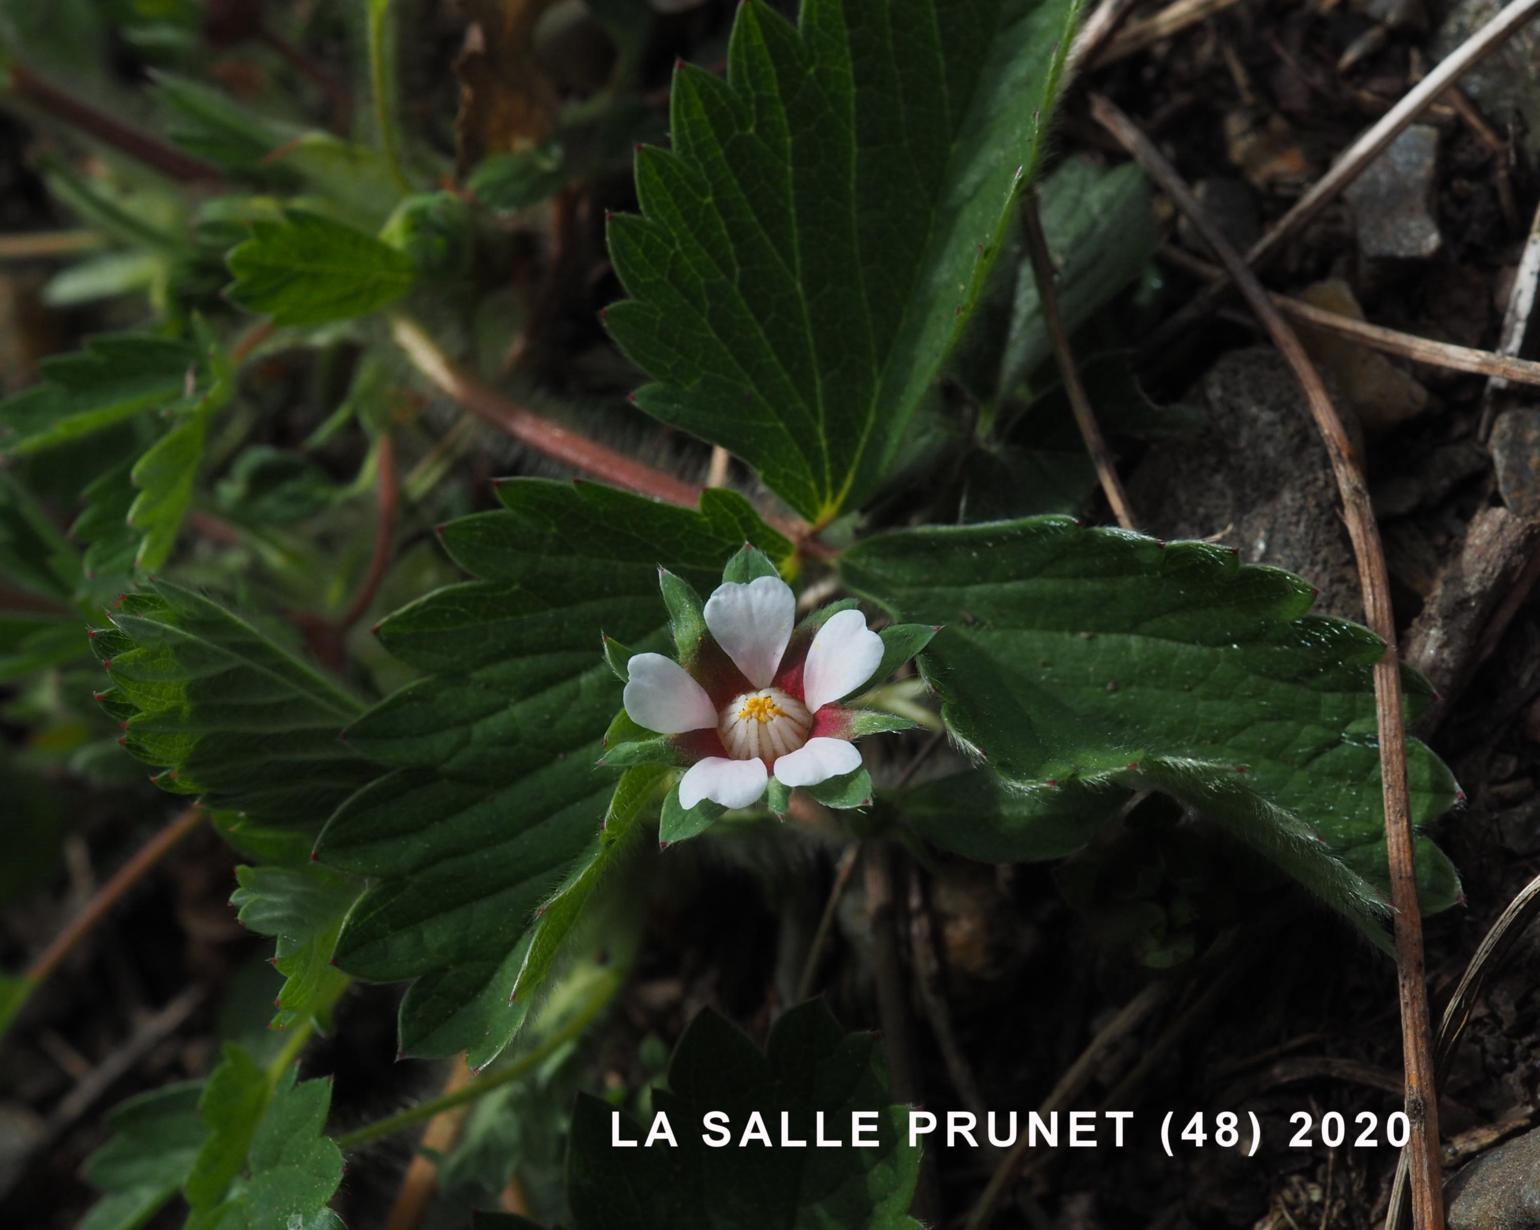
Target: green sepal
x: 628, y: 744
x: 747, y: 565
x: 616, y: 656
x: 686, y: 615
x: 778, y: 797
x: 676, y: 824
x: 863, y: 722
x: 844, y: 793
x: 816, y: 619
x: 659, y: 749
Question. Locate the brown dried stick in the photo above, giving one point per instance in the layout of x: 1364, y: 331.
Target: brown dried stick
x: 1416, y: 1030
x: 1378, y: 337
x: 1085, y: 416
x: 29, y: 88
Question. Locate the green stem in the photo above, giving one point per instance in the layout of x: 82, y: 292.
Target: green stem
x: 382, y: 83
x: 293, y: 1044
x: 472, y: 1090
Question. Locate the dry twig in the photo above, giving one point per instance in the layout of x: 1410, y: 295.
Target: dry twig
x: 1358, y: 513
x: 1377, y: 337
x: 1080, y: 402
x: 1490, y: 956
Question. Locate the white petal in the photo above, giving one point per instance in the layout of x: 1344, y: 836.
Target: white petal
x: 732, y: 783
x: 816, y: 761
x: 662, y: 696
x: 843, y: 656
x: 753, y: 623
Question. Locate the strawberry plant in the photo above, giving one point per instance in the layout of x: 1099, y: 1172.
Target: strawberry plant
x: 779, y: 562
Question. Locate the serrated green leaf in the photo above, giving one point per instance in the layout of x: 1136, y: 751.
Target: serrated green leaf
x: 466, y: 1007
x: 156, y: 1139
x: 1082, y: 659
x: 977, y: 815
x: 33, y: 554
x: 809, y: 1066
x: 494, y: 792
x: 293, y: 1169
x: 811, y: 247
x: 615, y: 845
x: 208, y: 123
x: 231, y: 714
x: 309, y: 269
x: 165, y: 475
x: 111, y: 543
x: 35, y: 643
x: 231, y: 1105
x: 302, y: 908
x: 114, y: 378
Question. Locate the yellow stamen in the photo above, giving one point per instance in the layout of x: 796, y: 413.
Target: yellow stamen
x: 761, y: 709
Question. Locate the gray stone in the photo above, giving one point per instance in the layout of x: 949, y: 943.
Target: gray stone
x: 1500, y: 1190
x: 1505, y: 85
x: 1515, y: 445
x: 1256, y: 478
x: 1393, y: 199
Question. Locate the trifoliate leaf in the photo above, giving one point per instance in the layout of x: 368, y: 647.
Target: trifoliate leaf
x: 292, y: 1170
x: 810, y: 1067
x: 1085, y: 664
x: 156, y: 1139
x: 302, y: 908
x: 230, y: 713
x: 114, y: 378
x: 231, y: 1106
x: 811, y: 247
x: 493, y: 792
x: 309, y: 269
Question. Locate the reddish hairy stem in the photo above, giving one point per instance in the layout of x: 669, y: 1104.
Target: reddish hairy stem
x: 1426, y: 1164
x: 562, y: 443
x: 539, y: 433
x: 108, y: 129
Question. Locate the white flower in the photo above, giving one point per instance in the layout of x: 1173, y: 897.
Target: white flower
x: 770, y: 712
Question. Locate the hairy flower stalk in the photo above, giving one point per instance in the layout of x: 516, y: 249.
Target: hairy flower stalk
x: 753, y: 704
